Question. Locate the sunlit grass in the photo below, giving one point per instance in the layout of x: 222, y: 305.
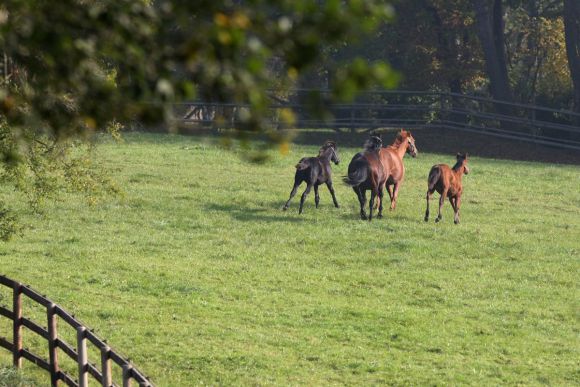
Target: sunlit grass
x: 198, y: 276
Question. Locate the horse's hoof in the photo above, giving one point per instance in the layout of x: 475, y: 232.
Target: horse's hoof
x: 337, y: 206
x: 426, y: 219
x: 363, y: 217
x: 284, y: 208
x: 437, y: 220
x: 456, y: 221
x: 380, y: 216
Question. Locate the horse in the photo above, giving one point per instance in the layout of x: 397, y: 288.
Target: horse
x: 315, y: 171
x: 374, y: 168
x: 397, y: 173
x: 447, y: 182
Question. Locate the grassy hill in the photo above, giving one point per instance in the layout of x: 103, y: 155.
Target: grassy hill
x: 198, y: 276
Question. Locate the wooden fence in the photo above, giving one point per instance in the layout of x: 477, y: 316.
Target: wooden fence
x: 407, y: 109
x: 57, y: 345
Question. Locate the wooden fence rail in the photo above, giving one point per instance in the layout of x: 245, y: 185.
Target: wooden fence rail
x: 57, y: 345
x: 409, y: 109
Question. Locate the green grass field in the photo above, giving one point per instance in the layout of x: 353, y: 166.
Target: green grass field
x: 200, y: 278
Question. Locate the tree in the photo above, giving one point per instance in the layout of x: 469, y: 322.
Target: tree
x: 432, y: 43
x: 572, y: 32
x: 536, y: 53
x: 490, y: 29
x: 71, y: 67
x: 83, y: 62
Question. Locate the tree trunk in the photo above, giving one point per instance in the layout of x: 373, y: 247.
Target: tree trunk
x: 572, y: 32
x: 490, y: 29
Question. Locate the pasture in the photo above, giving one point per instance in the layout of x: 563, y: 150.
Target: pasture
x: 199, y: 277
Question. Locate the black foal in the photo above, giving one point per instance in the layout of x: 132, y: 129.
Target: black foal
x: 315, y: 171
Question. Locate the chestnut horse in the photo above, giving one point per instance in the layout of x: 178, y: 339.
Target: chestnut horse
x: 375, y: 169
x: 447, y: 182
x: 315, y: 171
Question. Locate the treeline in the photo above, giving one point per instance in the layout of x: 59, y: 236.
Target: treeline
x: 525, y: 51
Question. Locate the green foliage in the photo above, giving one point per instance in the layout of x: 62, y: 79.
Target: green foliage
x: 537, y: 54
x: 42, y: 168
x: 9, y: 225
x: 199, y: 277
x: 10, y: 377
x: 76, y: 65
x: 431, y: 42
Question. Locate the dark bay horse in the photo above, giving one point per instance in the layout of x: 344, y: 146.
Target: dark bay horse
x: 315, y: 171
x: 374, y: 168
x: 447, y: 182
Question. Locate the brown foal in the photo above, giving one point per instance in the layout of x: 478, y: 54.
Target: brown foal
x: 447, y: 182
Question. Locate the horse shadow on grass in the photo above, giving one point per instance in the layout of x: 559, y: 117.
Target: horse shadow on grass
x: 255, y: 214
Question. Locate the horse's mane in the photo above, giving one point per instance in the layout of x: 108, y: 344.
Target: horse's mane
x: 328, y: 144
x: 461, y: 158
x: 401, y: 136
x: 373, y: 143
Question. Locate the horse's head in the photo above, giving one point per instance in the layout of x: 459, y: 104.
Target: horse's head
x: 462, y: 162
x: 374, y: 142
x: 329, y: 149
x: 408, y: 140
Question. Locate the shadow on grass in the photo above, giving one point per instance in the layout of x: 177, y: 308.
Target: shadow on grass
x: 256, y: 214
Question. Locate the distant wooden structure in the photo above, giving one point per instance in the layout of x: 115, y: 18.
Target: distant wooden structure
x: 57, y: 345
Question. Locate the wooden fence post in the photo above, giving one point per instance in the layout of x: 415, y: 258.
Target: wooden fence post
x: 17, y: 325
x: 52, y: 344
x: 127, y: 375
x: 352, y: 127
x: 55, y: 344
x: 82, y: 357
x: 106, y: 366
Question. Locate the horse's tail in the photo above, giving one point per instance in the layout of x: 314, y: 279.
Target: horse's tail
x: 358, y: 172
x: 434, y: 176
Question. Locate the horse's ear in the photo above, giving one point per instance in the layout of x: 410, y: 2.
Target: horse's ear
x: 330, y: 143
x: 459, y: 155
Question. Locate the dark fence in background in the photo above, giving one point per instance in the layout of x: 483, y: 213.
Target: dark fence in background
x: 406, y: 109
x: 57, y: 345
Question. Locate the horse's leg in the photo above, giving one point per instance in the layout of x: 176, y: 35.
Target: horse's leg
x: 452, y: 201
x: 441, y: 201
x: 304, y: 194
x: 456, y: 208
x: 316, y: 196
x: 292, y: 193
x: 362, y: 201
x: 371, y: 203
x: 394, y: 195
x: 331, y: 189
x: 428, y: 196
x: 389, y: 191
x: 381, y: 192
